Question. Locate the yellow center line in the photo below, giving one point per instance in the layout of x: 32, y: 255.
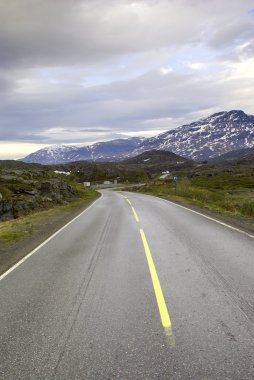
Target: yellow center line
x: 128, y: 201
x: 135, y: 214
x: 165, y: 319
x: 133, y: 209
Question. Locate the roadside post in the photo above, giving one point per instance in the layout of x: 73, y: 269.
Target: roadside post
x: 175, y: 182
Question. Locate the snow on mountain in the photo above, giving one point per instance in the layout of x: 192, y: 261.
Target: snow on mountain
x: 207, y: 138
x: 53, y: 154
x: 204, y: 139
x: 102, y: 151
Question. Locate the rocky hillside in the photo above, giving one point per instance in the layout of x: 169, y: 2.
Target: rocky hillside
x: 24, y: 188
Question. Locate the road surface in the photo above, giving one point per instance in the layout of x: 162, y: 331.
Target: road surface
x: 134, y: 288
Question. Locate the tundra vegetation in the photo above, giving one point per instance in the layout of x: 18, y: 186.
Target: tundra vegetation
x: 226, y: 188
x: 33, y: 194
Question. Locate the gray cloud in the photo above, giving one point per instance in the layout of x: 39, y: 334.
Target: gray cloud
x: 82, y: 71
x: 231, y: 33
x: 66, y: 32
x: 119, y: 107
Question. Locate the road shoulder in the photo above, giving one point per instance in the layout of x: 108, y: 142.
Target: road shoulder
x: 245, y: 224
x: 42, y: 228
x: 242, y: 223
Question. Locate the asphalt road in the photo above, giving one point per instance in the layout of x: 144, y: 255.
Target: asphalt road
x: 134, y: 288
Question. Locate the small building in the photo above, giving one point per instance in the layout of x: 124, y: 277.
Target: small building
x: 86, y: 184
x: 107, y: 183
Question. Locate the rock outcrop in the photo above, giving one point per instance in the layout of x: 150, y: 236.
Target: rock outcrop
x: 25, y: 191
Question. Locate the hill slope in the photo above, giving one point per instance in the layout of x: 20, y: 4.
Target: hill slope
x: 241, y: 154
x: 156, y: 161
x: 207, y: 138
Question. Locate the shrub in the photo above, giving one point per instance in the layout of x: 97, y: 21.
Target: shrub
x: 247, y: 208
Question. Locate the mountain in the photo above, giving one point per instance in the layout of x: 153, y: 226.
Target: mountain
x: 202, y: 140
x: 102, y: 151
x: 241, y: 154
x: 209, y: 137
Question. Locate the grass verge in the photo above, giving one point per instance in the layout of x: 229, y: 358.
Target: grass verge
x: 20, y: 236
x: 13, y: 230
x: 227, y: 196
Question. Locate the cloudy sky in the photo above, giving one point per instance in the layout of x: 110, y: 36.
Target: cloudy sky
x: 81, y: 71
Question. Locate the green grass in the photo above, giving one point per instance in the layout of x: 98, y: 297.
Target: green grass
x: 247, y: 208
x: 227, y: 193
x: 16, y: 229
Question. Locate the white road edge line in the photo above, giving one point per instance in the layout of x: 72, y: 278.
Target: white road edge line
x: 46, y: 241
x: 205, y: 216
x: 210, y: 218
